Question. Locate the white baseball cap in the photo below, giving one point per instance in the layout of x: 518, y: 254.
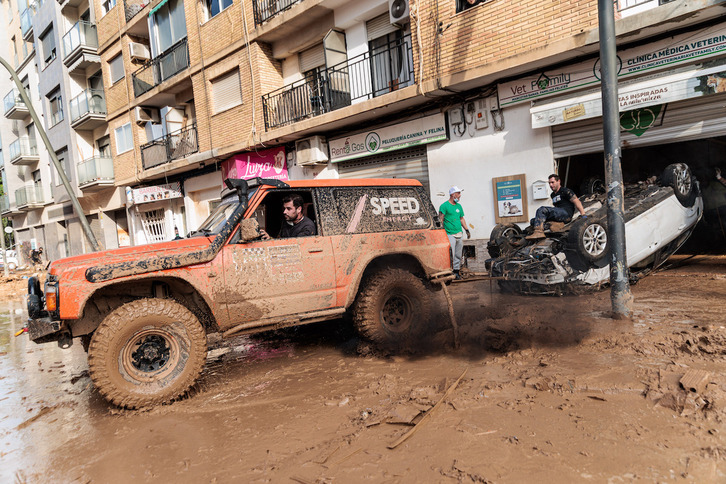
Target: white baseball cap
x: 454, y: 189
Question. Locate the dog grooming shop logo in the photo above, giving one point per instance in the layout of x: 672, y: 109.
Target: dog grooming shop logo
x: 373, y: 142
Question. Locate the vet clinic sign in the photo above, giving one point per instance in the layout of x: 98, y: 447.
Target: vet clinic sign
x: 389, y: 138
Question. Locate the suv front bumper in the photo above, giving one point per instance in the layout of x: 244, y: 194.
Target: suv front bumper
x: 45, y: 330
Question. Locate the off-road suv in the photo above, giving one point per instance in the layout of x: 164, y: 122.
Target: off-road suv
x: 143, y: 313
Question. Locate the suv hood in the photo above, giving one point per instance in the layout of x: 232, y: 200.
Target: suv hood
x: 134, y: 254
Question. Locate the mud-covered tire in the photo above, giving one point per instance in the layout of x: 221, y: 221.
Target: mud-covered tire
x: 592, y: 185
x: 678, y: 176
x: 147, y: 352
x: 504, y: 239
x: 587, y: 243
x: 391, y: 307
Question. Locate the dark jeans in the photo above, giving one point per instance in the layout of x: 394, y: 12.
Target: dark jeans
x: 545, y: 214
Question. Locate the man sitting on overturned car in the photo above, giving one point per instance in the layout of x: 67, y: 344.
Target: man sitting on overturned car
x: 296, y: 224
x: 565, y: 202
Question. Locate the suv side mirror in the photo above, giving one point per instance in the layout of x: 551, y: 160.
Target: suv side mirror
x: 249, y: 229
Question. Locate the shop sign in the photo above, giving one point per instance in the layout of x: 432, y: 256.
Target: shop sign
x: 509, y: 198
x: 667, y: 54
x: 389, y: 138
x: 156, y: 193
x: 637, y: 94
x: 268, y: 163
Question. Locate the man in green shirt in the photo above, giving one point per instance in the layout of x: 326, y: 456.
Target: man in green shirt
x: 452, y: 216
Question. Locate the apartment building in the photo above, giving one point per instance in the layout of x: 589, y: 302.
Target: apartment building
x: 489, y: 95
x: 53, y: 46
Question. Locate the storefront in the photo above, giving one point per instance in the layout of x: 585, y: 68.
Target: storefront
x: 395, y: 151
x: 155, y: 211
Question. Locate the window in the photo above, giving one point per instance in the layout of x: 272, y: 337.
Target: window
x: 107, y: 5
x: 55, y: 102
x: 462, y: 5
x: 47, y: 42
x: 124, y: 139
x: 116, y: 68
x: 226, y: 91
x: 391, y: 62
x: 213, y: 7
x: 64, y: 161
x: 104, y: 147
x: 169, y: 25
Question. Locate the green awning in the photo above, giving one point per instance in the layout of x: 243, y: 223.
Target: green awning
x: 157, y: 7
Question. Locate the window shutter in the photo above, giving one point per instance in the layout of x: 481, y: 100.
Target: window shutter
x: 312, y: 58
x: 379, y: 26
x: 226, y: 91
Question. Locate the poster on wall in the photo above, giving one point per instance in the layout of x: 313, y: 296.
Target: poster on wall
x: 155, y: 193
x: 269, y: 163
x: 510, y: 197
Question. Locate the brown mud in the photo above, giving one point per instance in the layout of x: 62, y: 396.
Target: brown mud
x: 555, y: 391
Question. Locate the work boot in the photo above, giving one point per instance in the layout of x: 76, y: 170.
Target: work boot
x: 537, y: 234
x: 556, y: 226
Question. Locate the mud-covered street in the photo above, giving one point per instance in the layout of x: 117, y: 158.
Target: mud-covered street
x: 554, y: 390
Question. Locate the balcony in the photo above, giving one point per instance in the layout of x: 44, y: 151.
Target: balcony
x: 26, y: 22
x: 266, y: 9
x: 29, y: 197
x: 133, y: 7
x: 69, y: 3
x: 88, y: 110
x: 374, y: 73
x: 15, y: 108
x: 161, y: 68
x: 80, y: 46
x: 95, y: 173
x: 23, y: 151
x: 174, y: 146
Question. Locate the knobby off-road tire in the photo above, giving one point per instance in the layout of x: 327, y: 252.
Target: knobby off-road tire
x: 393, y: 306
x: 147, y: 352
x: 678, y: 176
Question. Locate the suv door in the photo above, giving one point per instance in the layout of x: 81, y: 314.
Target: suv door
x: 277, y: 277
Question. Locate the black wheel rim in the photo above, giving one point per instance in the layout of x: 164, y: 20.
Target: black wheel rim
x: 396, y: 313
x: 150, y: 354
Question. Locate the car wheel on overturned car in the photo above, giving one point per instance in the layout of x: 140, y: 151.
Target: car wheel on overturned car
x: 503, y: 239
x: 678, y: 176
x: 587, y: 243
x: 391, y: 307
x: 147, y: 352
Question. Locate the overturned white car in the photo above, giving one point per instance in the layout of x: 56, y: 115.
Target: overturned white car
x: 660, y: 214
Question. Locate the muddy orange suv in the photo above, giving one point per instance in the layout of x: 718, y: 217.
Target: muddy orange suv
x: 143, y: 313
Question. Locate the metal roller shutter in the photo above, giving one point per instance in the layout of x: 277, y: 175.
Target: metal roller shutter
x: 379, y: 26
x: 683, y: 121
x: 312, y: 58
x: 409, y: 163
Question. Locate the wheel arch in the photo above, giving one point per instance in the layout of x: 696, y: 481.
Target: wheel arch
x: 401, y: 260
x: 111, y: 296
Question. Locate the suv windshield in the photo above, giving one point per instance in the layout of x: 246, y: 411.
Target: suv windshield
x: 214, y: 223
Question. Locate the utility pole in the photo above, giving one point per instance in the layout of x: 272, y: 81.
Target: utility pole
x: 620, y: 296
x: 61, y: 173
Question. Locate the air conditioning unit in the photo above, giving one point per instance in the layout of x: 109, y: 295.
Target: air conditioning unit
x: 139, y: 52
x: 144, y: 115
x: 311, y: 151
x: 398, y: 11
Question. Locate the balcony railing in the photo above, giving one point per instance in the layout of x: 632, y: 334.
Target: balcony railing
x: 161, y: 68
x: 26, y: 21
x: 90, y: 101
x: 29, y: 195
x: 132, y: 7
x: 174, y: 146
x: 371, y: 74
x: 96, y: 169
x: 12, y: 102
x: 23, y: 149
x: 81, y: 37
x: 266, y: 9
x: 4, y: 204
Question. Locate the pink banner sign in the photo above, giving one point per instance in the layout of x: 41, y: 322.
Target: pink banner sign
x: 269, y: 163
